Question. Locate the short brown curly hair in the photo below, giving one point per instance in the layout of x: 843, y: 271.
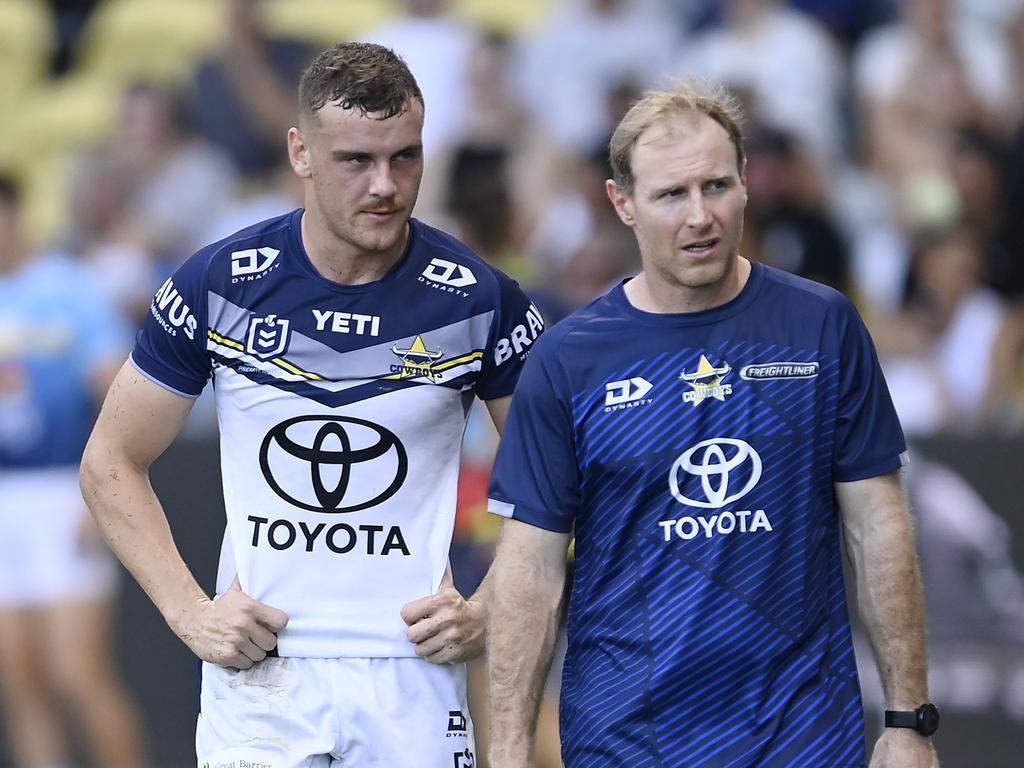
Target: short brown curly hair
x: 364, y: 76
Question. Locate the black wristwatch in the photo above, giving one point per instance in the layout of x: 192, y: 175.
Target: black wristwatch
x: 924, y: 719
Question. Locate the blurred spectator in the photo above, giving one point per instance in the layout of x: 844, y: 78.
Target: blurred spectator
x: 991, y: 13
x: 922, y: 78
x: 785, y: 59
x: 787, y: 224
x: 59, y: 348
x: 242, y: 99
x: 480, y: 203
x: 564, y: 197
x: 171, y: 185
x: 279, y: 192
x: 101, y: 235
x: 608, y: 256
x: 587, y: 49
x: 438, y: 47
x: 989, y: 207
x: 938, y: 354
x: 847, y: 19
x: 496, y: 113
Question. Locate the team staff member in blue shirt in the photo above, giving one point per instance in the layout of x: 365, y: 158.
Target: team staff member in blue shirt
x: 706, y: 430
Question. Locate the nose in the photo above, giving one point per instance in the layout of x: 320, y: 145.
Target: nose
x: 697, y: 214
x: 382, y: 185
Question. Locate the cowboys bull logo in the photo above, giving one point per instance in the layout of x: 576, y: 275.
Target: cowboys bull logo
x: 333, y: 464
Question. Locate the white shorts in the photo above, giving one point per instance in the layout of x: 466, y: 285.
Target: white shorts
x: 292, y: 712
x: 47, y: 556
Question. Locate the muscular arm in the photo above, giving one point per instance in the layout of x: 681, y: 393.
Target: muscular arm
x: 138, y: 421
x: 879, y: 538
x: 528, y: 577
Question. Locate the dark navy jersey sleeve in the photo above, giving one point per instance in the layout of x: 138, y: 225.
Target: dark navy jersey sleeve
x: 170, y: 348
x: 536, y: 475
x: 516, y: 326
x: 869, y: 439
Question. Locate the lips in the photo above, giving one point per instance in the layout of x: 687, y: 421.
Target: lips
x: 699, y: 247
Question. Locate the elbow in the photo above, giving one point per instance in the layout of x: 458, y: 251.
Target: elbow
x: 100, y: 468
x: 90, y: 475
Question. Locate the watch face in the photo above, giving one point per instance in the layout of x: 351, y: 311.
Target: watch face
x: 927, y: 719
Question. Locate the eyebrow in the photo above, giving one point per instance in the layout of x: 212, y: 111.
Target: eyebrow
x: 726, y: 179
x: 355, y: 154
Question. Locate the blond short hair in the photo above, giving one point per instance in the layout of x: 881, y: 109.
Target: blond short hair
x: 688, y: 97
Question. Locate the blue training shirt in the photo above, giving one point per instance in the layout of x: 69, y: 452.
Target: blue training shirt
x: 694, y: 457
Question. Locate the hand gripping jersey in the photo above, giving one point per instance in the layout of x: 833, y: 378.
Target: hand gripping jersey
x: 341, y: 413
x: 695, y: 457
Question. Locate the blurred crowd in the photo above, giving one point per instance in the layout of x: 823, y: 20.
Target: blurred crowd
x: 885, y: 156
x: 886, y: 150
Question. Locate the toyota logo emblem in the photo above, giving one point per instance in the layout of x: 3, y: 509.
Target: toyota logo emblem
x: 333, y: 464
x: 728, y: 469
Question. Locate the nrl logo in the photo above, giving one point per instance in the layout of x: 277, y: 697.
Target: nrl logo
x: 267, y: 337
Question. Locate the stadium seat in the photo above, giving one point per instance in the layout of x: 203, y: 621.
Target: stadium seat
x: 26, y: 42
x: 323, y: 22
x: 508, y: 18
x: 127, y: 40
x: 53, y: 122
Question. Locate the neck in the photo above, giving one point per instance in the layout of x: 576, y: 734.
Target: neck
x: 342, y: 262
x: 659, y: 297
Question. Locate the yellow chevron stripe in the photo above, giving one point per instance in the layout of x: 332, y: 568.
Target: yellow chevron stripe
x: 458, y: 361
x: 226, y: 341
x: 278, y: 361
x: 281, y: 362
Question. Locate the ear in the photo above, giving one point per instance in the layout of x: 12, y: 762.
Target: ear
x: 298, y: 153
x: 622, y: 203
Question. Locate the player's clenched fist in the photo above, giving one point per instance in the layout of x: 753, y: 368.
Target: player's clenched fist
x: 234, y: 630
x: 446, y: 628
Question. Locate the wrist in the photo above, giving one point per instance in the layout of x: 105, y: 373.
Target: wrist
x: 181, y: 615
x: 922, y: 720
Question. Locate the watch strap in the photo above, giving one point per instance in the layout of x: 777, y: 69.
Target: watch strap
x: 901, y: 719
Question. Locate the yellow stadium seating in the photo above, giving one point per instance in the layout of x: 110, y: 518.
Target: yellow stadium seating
x: 326, y: 22
x: 158, y: 40
x: 26, y: 42
x: 509, y: 17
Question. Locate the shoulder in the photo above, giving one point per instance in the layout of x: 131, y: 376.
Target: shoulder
x: 243, y: 256
x: 804, y: 296
x: 449, y: 261
x: 581, y: 329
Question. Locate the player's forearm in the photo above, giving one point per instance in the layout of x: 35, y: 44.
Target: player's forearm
x: 132, y: 521
x: 526, y: 598
x: 891, y: 602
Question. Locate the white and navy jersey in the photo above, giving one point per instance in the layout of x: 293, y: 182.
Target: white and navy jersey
x: 341, y: 412
x: 695, y: 455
